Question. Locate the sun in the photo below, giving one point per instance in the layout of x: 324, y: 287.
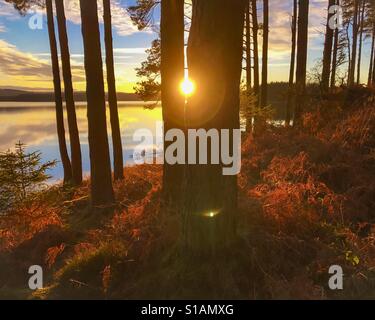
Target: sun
x: 187, y: 87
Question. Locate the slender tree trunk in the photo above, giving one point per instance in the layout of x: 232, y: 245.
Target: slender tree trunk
x: 75, y: 145
x: 173, y: 102
x: 354, y: 44
x: 215, y: 62
x: 264, y: 95
x: 335, y: 53
x: 327, y: 53
x: 249, y: 119
x: 371, y: 68
x: 289, y: 103
x: 58, y: 98
x: 248, y: 48
x: 112, y: 96
x: 254, y: 16
x: 303, y: 23
x: 334, y: 58
x: 349, y: 53
x: 101, y: 179
x: 362, y: 21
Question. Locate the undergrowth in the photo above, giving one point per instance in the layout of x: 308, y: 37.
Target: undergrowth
x: 306, y: 202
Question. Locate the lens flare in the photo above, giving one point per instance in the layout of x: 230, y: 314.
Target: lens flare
x: 187, y: 87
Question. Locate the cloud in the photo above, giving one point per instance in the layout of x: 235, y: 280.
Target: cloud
x: 17, y: 64
x: 2, y: 28
x: 120, y: 18
x: 7, y: 11
x: 121, y: 21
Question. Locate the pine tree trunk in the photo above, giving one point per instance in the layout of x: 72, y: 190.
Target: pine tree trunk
x: 58, y: 98
x: 327, y: 53
x: 334, y: 58
x: 215, y: 62
x: 101, y: 180
x: 248, y: 48
x: 362, y: 21
x: 354, y: 44
x: 303, y: 22
x: 249, y: 119
x: 75, y: 145
x: 289, y: 103
x: 371, y: 68
x: 264, y: 95
x: 112, y: 96
x: 349, y: 53
x: 254, y: 16
x: 173, y: 102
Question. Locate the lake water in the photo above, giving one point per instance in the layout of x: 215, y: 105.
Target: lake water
x: 34, y: 124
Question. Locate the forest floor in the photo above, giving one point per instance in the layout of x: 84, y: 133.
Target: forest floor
x: 306, y: 202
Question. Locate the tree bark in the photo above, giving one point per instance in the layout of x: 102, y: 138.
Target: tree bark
x: 264, y: 95
x: 303, y: 23
x: 254, y: 17
x: 248, y: 48
x: 334, y: 58
x: 354, y: 44
x: 215, y: 61
x: 58, y: 98
x: 118, y: 158
x: 75, y: 146
x: 349, y: 52
x: 327, y: 53
x: 371, y: 68
x: 173, y: 102
x: 101, y: 179
x: 362, y: 21
x: 289, y: 103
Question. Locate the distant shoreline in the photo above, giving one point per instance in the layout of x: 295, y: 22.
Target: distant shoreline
x: 10, y: 95
x: 21, y: 105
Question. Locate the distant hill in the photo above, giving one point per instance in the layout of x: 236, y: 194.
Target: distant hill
x: 11, y: 95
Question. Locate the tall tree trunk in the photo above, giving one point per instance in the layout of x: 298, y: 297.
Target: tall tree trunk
x: 249, y: 116
x: 264, y: 95
x: 173, y: 102
x: 215, y: 62
x: 354, y: 44
x: 334, y: 56
x: 362, y: 21
x: 254, y: 16
x: 371, y: 68
x: 58, y: 98
x: 118, y: 158
x: 289, y: 102
x: 248, y: 48
x: 303, y: 23
x: 101, y: 179
x: 349, y: 52
x: 75, y: 145
x: 327, y: 53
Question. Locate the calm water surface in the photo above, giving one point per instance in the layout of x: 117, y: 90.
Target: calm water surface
x: 34, y: 124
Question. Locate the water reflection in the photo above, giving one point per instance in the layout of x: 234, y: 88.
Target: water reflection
x: 35, y: 125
